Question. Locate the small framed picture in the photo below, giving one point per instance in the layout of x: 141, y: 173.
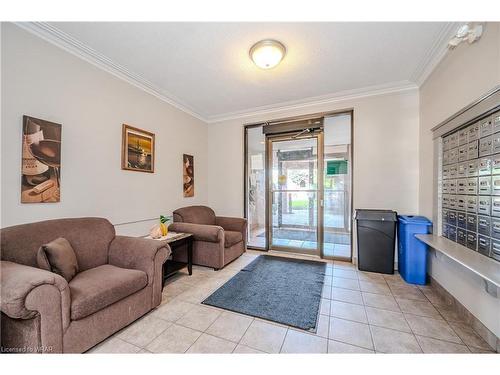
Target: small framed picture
x: 138, y: 149
x: 188, y: 175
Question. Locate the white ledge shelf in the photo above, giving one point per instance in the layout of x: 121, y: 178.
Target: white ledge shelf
x: 486, y: 268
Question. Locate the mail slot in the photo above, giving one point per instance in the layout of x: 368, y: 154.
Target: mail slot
x: 453, y: 156
x: 471, y: 186
x: 495, y: 164
x: 484, y: 167
x: 461, y: 202
x: 462, y: 137
x: 471, y: 203
x: 445, y: 231
x: 495, y: 185
x: 446, y: 200
x: 453, y: 171
x: 485, y: 127
x: 452, y: 233
x: 452, y: 218
x: 496, y: 143
x: 462, y: 169
x: 446, y: 157
x: 495, y: 228
x: 453, y: 140
x: 461, y: 186
x: 473, y: 132
x: 446, y: 187
x: 472, y: 222
x: 462, y: 153
x: 453, y: 202
x: 446, y: 172
x: 461, y: 220
x: 462, y: 236
x: 452, y: 186
x: 472, y: 168
x: 472, y: 240
x: 485, y: 185
x: 495, y: 206
x: 484, y: 205
x: 495, y: 250
x: 485, y: 147
x: 483, y: 245
x: 472, y: 151
x: 496, y: 123
x: 484, y: 225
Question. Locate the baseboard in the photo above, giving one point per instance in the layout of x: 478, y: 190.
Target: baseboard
x: 478, y: 327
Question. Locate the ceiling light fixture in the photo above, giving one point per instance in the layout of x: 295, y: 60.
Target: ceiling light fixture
x: 267, y: 53
x: 467, y: 32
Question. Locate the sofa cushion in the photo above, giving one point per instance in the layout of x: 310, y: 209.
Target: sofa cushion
x: 231, y: 238
x: 59, y: 257
x: 94, y: 289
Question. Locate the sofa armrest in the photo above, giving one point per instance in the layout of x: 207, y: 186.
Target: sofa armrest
x: 138, y: 253
x: 28, y: 292
x: 235, y: 224
x: 200, y: 232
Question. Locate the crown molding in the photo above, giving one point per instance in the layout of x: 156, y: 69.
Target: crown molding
x: 340, y: 96
x: 435, y: 54
x: 62, y: 40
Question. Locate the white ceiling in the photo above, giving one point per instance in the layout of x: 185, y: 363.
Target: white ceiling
x: 204, y: 68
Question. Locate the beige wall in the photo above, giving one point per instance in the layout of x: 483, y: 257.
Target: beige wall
x: 385, y: 153
x: 464, y: 75
x: 41, y: 80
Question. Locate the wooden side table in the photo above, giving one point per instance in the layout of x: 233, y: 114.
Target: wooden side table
x: 178, y: 242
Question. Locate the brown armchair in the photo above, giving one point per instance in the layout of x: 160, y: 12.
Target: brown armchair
x: 218, y: 240
x: 120, y: 279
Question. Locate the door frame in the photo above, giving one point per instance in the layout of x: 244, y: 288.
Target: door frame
x: 318, y: 135
x: 261, y: 123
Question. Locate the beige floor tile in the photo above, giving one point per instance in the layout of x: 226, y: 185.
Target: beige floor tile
x: 324, y: 307
x: 422, y: 308
x: 144, y: 330
x: 430, y: 345
x: 264, y: 336
x: 344, y: 265
x: 374, y: 287
x: 323, y: 325
x: 298, y: 342
x: 429, y: 327
x: 390, y: 341
x: 348, y: 274
x: 348, y: 311
x: 341, y: 282
x: 172, y: 290
x: 481, y: 351
x: 328, y: 280
x: 243, y: 349
x: 114, y: 345
x: 380, y: 301
x: 370, y: 276
x: 175, y: 339
x: 350, y: 332
x: 329, y: 271
x: 435, y: 298
x: 173, y: 311
x: 387, y: 319
x: 199, y: 318
x: 468, y: 336
x: 347, y: 295
x: 230, y: 326
x: 450, y: 314
x: 340, y: 347
x: 408, y: 293
x: 211, y: 344
x: 326, y: 292
x: 195, y: 294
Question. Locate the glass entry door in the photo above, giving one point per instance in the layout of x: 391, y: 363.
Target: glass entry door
x: 294, y: 193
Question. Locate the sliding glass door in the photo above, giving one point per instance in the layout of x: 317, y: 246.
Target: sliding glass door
x: 294, y: 193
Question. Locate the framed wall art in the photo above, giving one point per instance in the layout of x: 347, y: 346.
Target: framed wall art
x: 188, y: 175
x: 138, y: 149
x: 41, y: 161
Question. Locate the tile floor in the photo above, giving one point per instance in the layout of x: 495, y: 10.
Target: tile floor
x: 360, y: 313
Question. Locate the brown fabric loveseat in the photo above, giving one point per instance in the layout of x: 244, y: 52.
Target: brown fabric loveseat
x: 218, y: 240
x: 119, y: 280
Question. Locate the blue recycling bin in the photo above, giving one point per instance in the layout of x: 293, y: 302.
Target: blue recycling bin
x: 412, y: 253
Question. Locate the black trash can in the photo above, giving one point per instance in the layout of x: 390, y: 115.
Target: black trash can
x: 376, y: 230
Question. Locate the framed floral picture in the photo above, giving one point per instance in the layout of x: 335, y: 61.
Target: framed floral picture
x: 188, y: 175
x: 138, y: 149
